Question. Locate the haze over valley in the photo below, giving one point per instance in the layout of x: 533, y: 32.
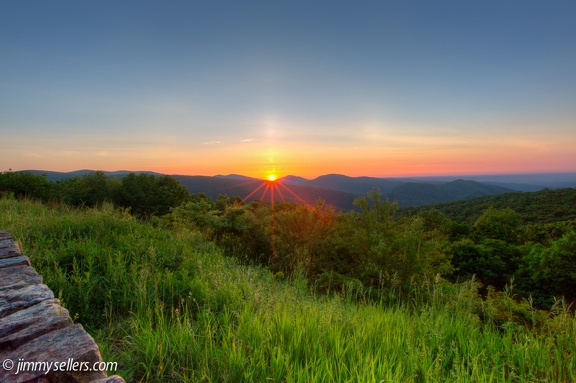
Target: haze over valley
x: 340, y: 190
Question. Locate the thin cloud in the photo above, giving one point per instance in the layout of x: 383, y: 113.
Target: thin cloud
x: 248, y: 140
x: 33, y: 154
x: 211, y: 142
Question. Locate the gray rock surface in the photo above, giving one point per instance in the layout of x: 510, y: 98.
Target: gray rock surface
x: 14, y: 300
x: 34, y: 328
x: 18, y: 276
x: 110, y: 379
x: 9, y: 248
x: 25, y: 325
x: 5, y: 234
x: 71, y: 343
x: 8, y: 243
x: 23, y: 283
x: 14, y: 261
x: 9, y: 252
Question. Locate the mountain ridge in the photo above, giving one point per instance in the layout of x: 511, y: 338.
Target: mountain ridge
x: 336, y: 189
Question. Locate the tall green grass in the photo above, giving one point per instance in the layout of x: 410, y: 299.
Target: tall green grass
x: 170, y: 307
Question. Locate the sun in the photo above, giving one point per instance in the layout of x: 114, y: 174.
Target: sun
x: 272, y: 177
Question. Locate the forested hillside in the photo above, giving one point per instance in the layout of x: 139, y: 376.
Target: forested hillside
x: 545, y: 206
x: 418, y: 194
x: 525, y: 237
x: 336, y: 189
x: 180, y: 287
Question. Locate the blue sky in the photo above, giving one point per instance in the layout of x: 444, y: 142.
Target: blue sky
x: 361, y: 88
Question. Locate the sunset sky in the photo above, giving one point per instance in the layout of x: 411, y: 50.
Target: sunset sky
x: 377, y: 88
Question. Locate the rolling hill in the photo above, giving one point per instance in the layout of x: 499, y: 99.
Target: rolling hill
x: 544, y: 206
x: 340, y: 191
x: 253, y: 188
x: 336, y: 189
x: 417, y: 194
x: 355, y: 185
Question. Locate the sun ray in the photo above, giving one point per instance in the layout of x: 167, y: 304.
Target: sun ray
x: 265, y: 190
x: 277, y: 188
x: 253, y: 192
x: 271, y: 186
x: 295, y: 195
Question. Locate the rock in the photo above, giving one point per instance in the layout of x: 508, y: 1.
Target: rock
x: 11, y: 277
x: 110, y: 379
x: 64, y: 347
x: 27, y: 282
x: 36, y: 333
x: 25, y: 325
x: 10, y: 251
x: 5, y: 234
x: 14, y: 300
x: 9, y: 248
x: 8, y: 243
x: 14, y: 261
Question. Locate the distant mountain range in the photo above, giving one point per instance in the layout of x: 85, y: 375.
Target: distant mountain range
x: 340, y: 190
x: 59, y: 176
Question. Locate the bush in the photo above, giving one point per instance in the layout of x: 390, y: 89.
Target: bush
x: 549, y: 272
x: 25, y: 185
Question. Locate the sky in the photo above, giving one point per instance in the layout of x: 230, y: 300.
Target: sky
x: 374, y: 88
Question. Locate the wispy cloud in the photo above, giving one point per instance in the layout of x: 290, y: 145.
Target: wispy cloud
x: 248, y: 140
x: 32, y: 154
x: 211, y: 142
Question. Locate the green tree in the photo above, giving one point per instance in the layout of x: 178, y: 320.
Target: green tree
x: 26, y: 185
x: 91, y: 190
x: 502, y: 224
x: 409, y: 254
x: 148, y: 195
x: 400, y: 251
x: 480, y: 260
x: 298, y: 234
x: 197, y: 214
x: 550, y: 271
x: 376, y: 213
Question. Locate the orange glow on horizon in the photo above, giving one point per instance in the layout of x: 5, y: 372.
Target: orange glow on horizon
x: 272, y: 162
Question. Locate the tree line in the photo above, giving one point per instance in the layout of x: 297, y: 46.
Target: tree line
x: 544, y: 206
x: 145, y: 195
x: 384, y: 255
x: 374, y: 251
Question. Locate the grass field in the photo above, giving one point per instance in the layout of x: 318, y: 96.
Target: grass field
x: 168, y: 306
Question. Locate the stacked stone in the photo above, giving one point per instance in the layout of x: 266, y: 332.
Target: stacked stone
x: 35, y: 328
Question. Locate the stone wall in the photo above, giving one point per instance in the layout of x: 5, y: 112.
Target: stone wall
x: 35, y: 328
